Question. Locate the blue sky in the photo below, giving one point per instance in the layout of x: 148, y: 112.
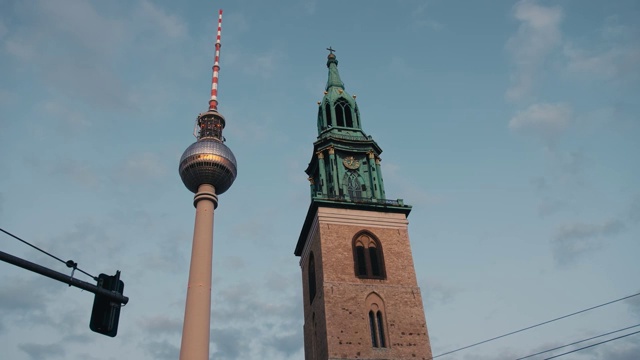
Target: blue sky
x: 511, y: 127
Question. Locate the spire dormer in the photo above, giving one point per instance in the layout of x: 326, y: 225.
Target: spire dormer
x: 338, y: 111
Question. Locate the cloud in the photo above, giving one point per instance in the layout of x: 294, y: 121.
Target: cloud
x: 89, y: 243
x: 25, y: 299
x: 633, y: 212
x: 419, y: 20
x: 261, y: 64
x: 438, y: 293
x: 157, y: 19
x: 227, y: 343
x: 624, y: 349
x: 69, y: 121
x: 634, y: 305
x: 310, y: 6
x: 575, y: 240
x: 548, y: 206
x: 537, y: 36
x: 288, y: 344
x: 43, y: 352
x: 263, y: 321
x: 546, y: 120
x: 142, y: 167
x: 162, y: 350
x: 79, y: 172
x: 161, y: 324
x: 82, y: 49
x: 616, y: 56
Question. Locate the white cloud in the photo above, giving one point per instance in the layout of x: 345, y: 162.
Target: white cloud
x: 43, y: 351
x: 70, y: 121
x: 79, y: 172
x: 310, y: 6
x: 437, y: 292
x: 575, y: 240
x: 157, y: 18
x: 617, y: 62
x: 545, y: 119
x: 3, y: 29
x: 538, y: 35
x: 262, y: 64
x: 419, y: 19
x: 142, y: 167
x: 161, y: 324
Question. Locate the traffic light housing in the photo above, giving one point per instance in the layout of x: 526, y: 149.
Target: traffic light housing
x: 106, y: 312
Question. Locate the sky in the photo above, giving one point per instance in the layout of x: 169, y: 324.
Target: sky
x: 511, y: 127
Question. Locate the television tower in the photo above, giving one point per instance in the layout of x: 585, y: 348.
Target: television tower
x: 208, y: 169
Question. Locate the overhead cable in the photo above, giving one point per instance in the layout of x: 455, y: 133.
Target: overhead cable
x: 69, y: 263
x: 577, y: 342
x: 534, y: 326
x: 592, y: 345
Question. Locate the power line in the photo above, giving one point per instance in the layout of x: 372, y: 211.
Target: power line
x: 592, y: 345
x: 577, y: 342
x: 69, y: 263
x: 533, y: 326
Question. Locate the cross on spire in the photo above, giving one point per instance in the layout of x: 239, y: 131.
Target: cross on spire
x: 330, y: 50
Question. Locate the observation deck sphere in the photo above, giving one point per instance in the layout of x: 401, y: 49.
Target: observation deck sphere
x: 208, y: 161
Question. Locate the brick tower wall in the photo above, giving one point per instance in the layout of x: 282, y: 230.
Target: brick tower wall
x: 341, y: 304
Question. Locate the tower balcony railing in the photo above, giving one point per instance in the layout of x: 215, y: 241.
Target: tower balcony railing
x: 360, y: 200
x: 348, y: 137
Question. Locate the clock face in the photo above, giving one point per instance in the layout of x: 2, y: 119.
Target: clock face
x: 351, y: 163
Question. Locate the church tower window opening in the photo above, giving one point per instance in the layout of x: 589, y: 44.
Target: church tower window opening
x: 343, y: 113
x: 377, y: 326
x: 327, y: 114
x: 312, y: 278
x: 372, y: 326
x: 367, y: 255
x: 380, y: 328
x: 353, y: 184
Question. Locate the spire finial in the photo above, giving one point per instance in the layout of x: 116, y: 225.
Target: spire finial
x: 334, y: 77
x: 213, y: 103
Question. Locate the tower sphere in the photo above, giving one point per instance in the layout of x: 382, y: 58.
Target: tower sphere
x: 208, y: 161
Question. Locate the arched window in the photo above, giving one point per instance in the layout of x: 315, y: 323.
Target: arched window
x: 343, y: 113
x: 327, y: 114
x: 312, y: 278
x: 377, y: 324
x: 367, y: 257
x: 372, y: 326
x: 321, y: 124
x: 353, y: 185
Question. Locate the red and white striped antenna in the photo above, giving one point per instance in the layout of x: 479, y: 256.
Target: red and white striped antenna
x: 213, y: 103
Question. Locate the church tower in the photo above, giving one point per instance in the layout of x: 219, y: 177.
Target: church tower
x: 361, y: 297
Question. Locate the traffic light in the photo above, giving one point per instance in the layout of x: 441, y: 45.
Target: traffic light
x: 106, y: 312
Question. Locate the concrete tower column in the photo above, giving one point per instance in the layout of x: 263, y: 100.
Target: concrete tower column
x: 197, y: 314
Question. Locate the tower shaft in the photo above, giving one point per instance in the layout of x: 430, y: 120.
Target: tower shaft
x: 197, y: 314
x: 207, y: 168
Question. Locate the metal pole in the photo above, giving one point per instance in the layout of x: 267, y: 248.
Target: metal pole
x: 114, y: 296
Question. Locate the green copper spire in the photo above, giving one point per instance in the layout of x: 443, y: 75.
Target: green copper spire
x: 345, y: 169
x: 345, y: 166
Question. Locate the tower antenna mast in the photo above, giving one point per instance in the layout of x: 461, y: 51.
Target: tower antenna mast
x: 208, y: 169
x: 213, y: 103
